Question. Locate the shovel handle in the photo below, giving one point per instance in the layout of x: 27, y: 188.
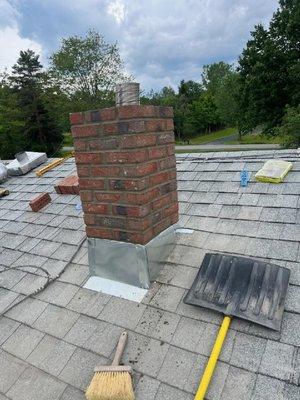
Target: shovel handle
x: 214, y: 355
x: 120, y: 349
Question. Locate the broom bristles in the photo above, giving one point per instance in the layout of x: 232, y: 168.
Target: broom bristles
x: 110, y: 386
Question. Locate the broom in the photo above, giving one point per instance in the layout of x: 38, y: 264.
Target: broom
x: 112, y: 382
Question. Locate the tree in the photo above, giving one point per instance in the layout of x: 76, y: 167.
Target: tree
x: 12, y: 139
x: 88, y: 69
x: 39, y: 130
x: 269, y: 69
x: 226, y: 99
x: 289, y: 130
x: 214, y: 74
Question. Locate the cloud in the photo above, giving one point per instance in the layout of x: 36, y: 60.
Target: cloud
x: 11, y: 41
x: 161, y: 42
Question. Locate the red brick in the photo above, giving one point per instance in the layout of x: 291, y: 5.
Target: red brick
x: 164, y: 138
x: 111, y: 222
x: 80, y: 144
x: 99, y: 233
x: 166, y: 112
x: 83, y: 170
x: 170, y: 149
x: 111, y: 129
x: 107, y: 197
x: 89, y: 219
x: 135, y: 141
x: 163, y: 201
x: 131, y: 211
x: 87, y: 158
x: 140, y: 169
x: 104, y: 144
x: 141, y: 198
x: 136, y: 126
x: 85, y: 131
x: 161, y: 226
x: 139, y: 224
x: 68, y: 185
x: 161, y: 177
x: 128, y: 184
x: 95, y: 208
x: 86, y: 195
x: 126, y: 156
x: 172, y: 209
x: 76, y: 118
x: 134, y: 237
x: 105, y: 114
x: 40, y: 202
x: 105, y: 171
x: 157, y: 152
x: 91, y: 183
x: 156, y: 125
x: 135, y: 111
x: 167, y: 163
x: 168, y: 187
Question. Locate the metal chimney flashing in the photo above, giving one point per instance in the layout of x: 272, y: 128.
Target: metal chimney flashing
x: 130, y: 263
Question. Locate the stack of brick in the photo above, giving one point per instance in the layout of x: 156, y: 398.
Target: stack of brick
x: 127, y: 171
x: 68, y: 185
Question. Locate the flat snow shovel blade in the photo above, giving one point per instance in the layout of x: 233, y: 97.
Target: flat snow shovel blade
x: 241, y: 287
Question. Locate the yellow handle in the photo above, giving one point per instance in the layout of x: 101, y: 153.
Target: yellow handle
x: 210, y: 367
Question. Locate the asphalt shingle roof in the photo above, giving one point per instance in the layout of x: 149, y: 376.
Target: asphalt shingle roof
x: 51, y: 342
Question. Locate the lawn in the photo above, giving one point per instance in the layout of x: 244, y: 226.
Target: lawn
x: 210, y: 137
x: 256, y: 139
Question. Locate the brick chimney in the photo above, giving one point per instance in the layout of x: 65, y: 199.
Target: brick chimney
x: 127, y: 183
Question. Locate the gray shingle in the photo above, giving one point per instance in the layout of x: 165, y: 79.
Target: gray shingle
x: 51, y: 355
x: 239, y: 385
x: 58, y: 293
x: 277, y: 360
x: 167, y: 298
x: 23, y: 341
x: 27, y: 311
x: 7, y: 328
x: 152, y: 358
x: 267, y: 388
x: 56, y: 321
x: 11, y: 369
x: 247, y: 352
x: 146, y: 388
x: 176, y: 367
x: 36, y: 385
x: 166, y: 392
x: 292, y: 302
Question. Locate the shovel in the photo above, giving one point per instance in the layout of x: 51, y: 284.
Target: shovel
x: 237, y: 287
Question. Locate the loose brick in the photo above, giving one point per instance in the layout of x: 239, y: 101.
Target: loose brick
x: 40, y: 202
x: 68, y: 185
x: 76, y: 118
x: 88, y: 158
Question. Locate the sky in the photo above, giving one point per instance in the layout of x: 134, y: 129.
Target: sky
x: 160, y: 41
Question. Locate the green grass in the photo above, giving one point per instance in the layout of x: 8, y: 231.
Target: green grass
x: 68, y: 139
x: 210, y: 137
x: 257, y: 139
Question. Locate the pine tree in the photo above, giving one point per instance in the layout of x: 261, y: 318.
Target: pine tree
x: 28, y: 80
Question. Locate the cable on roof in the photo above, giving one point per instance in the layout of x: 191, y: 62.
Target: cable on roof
x: 49, y: 280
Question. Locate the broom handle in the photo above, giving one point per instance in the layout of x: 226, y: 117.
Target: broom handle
x: 214, y: 355
x: 120, y: 349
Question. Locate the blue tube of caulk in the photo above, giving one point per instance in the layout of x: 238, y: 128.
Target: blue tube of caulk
x: 244, y: 177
